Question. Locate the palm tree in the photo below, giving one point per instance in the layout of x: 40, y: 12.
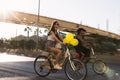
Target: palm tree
x: 46, y: 30
x: 28, y: 29
x: 37, y: 31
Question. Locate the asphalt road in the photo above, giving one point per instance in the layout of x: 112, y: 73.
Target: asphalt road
x: 21, y: 68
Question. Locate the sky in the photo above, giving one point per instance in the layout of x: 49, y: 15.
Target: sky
x: 100, y: 14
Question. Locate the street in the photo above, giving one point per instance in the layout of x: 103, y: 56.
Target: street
x: 14, y: 67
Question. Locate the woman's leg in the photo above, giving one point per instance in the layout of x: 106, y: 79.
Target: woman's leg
x: 58, y: 52
x: 58, y: 56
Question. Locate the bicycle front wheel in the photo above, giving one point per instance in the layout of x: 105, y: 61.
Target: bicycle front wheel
x: 42, y: 66
x: 75, y: 70
x: 99, y: 67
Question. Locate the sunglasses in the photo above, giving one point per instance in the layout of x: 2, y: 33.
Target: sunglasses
x: 57, y: 24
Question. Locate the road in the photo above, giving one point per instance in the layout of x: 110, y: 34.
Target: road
x: 21, y: 68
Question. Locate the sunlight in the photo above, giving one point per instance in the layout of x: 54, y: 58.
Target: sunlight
x: 5, y: 12
x: 12, y: 31
x: 6, y: 6
x: 111, y: 73
x: 14, y: 58
x: 3, y: 5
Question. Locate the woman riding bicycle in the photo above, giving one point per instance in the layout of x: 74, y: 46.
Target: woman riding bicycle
x: 53, y: 39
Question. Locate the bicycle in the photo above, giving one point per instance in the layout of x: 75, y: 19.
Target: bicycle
x: 98, y: 66
x: 74, y: 68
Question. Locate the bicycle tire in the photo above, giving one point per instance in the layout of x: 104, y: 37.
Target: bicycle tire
x: 39, y: 67
x: 99, y: 67
x: 80, y: 71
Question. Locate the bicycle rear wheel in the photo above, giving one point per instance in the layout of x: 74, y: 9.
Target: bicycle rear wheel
x: 42, y: 66
x: 99, y: 67
x: 78, y: 73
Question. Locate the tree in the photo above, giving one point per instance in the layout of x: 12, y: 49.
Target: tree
x: 28, y: 29
x: 22, y: 44
x: 37, y: 31
x: 13, y: 44
x: 30, y: 44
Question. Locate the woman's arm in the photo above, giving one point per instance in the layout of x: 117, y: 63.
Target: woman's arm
x: 54, y: 37
x: 61, y: 39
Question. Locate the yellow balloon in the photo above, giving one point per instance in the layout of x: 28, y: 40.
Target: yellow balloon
x: 74, y: 42
x: 70, y: 36
x: 65, y: 40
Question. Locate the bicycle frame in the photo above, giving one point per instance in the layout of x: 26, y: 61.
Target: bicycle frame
x: 93, y: 56
x: 96, y: 64
x: 67, y: 56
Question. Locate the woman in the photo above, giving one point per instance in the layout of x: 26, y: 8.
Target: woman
x: 53, y: 39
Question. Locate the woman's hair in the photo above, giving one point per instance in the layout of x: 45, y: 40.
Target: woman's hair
x: 52, y: 28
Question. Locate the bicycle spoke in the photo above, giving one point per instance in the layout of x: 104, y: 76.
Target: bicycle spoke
x: 42, y: 66
x: 79, y: 71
